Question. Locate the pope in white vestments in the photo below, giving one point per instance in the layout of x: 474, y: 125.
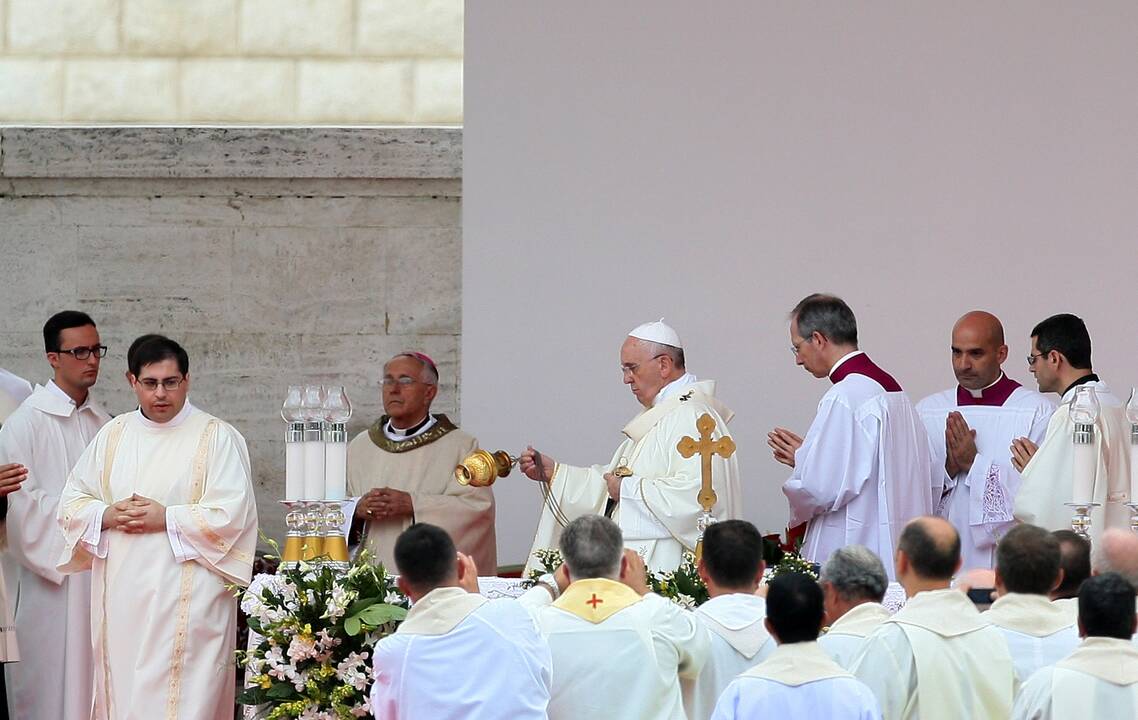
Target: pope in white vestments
x: 53, y: 679
x: 648, y: 488
x: 160, y: 508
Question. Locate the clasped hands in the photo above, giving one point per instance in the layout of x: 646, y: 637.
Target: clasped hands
x: 135, y: 515
x: 784, y: 443
x: 12, y: 476
x: 384, y: 504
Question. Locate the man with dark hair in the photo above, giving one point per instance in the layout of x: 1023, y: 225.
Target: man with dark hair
x: 160, y: 508
x: 971, y: 427
x: 936, y: 657
x: 863, y: 469
x: 1100, y: 678
x: 1060, y: 359
x: 450, y: 625
x: 1075, y: 562
x: 853, y: 583
x: 402, y: 469
x: 619, y: 650
x: 731, y: 567
x: 648, y: 488
x: 798, y: 679
x: 1038, y: 631
x: 46, y: 435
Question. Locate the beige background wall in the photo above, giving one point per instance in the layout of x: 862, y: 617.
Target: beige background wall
x: 231, y: 61
x: 715, y: 163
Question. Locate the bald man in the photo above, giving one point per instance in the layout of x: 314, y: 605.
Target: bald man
x: 971, y: 429
x: 937, y: 657
x: 1117, y: 551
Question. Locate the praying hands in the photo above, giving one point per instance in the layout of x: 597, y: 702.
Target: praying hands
x: 960, y: 445
x: 384, y: 504
x: 784, y: 443
x: 135, y: 515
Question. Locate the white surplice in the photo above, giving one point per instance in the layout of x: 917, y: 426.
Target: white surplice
x: 47, y: 434
x: 1048, y: 477
x: 618, y: 655
x: 658, y: 510
x: 165, y: 623
x: 798, y: 680
x: 13, y: 390
x: 508, y: 670
x: 1037, y: 631
x: 739, y: 641
x: 863, y: 469
x: 979, y: 502
x: 938, y: 658
x: 1098, y: 680
x: 845, y: 637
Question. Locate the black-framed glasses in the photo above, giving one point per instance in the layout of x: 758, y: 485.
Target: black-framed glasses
x: 169, y: 384
x: 1032, y: 358
x: 82, y: 353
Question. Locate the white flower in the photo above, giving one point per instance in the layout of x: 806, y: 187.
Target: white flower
x: 684, y: 601
x: 393, y: 598
x: 353, y: 670
x: 302, y: 647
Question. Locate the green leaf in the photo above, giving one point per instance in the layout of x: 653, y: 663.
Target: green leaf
x: 360, y: 605
x: 254, y: 625
x: 380, y: 614
x: 352, y: 626
x: 282, y: 691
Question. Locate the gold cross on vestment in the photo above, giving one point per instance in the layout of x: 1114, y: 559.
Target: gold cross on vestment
x: 707, y: 448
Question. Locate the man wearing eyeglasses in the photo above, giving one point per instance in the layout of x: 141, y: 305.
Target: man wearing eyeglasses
x: 648, y: 488
x: 402, y: 468
x: 1060, y: 359
x: 971, y: 427
x: 46, y: 435
x: 160, y: 508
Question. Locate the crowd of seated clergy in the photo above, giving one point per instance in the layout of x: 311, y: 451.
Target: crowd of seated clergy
x: 1047, y: 634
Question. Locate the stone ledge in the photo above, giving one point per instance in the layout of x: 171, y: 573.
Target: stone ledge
x: 230, y: 152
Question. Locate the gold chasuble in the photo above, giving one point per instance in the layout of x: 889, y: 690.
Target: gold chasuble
x: 423, y: 466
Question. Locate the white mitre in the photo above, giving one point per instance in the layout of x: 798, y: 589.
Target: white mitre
x: 657, y: 332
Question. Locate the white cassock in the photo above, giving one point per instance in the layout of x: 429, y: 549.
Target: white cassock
x: 1037, y: 631
x: 979, y: 502
x: 843, y: 640
x: 938, y: 658
x: 863, y: 469
x: 47, y: 434
x: 422, y: 464
x: 657, y: 512
x: 616, y: 654
x: 162, y: 595
x: 13, y: 390
x: 459, y: 655
x: 739, y: 641
x: 1047, y: 479
x: 798, y: 680
x: 1097, y: 680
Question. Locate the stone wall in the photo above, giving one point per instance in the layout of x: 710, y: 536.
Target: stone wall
x: 231, y: 61
x: 275, y: 256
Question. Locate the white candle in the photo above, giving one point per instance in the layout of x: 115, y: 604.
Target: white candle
x: 313, y: 469
x: 294, y: 471
x: 1085, y: 465
x: 335, y: 470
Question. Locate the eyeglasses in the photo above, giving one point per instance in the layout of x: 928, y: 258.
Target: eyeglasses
x: 631, y: 367
x: 169, y: 384
x: 82, y: 353
x: 795, y: 346
x: 402, y: 381
x: 1032, y: 358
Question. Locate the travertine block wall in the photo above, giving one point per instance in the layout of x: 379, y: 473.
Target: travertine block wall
x: 275, y: 256
x: 231, y: 61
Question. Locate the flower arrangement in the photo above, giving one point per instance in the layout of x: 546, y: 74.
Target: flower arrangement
x: 315, y: 630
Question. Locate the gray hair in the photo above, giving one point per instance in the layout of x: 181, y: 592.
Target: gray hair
x: 828, y: 315
x: 655, y: 348
x: 1117, y: 551
x: 592, y: 546
x: 428, y: 375
x: 856, y: 574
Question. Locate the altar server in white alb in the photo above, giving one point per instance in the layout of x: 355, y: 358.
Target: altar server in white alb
x: 160, y: 508
x: 936, y: 657
x: 853, y: 583
x: 1060, y: 359
x: 47, y: 434
x: 13, y: 390
x: 863, y: 469
x: 971, y: 428
x: 1100, y: 678
x: 457, y: 655
x: 619, y: 651
x: 648, y: 488
x: 731, y: 567
x: 798, y: 680
x: 1038, y: 631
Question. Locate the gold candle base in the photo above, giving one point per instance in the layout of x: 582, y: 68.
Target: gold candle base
x: 312, y: 548
x: 292, y: 548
